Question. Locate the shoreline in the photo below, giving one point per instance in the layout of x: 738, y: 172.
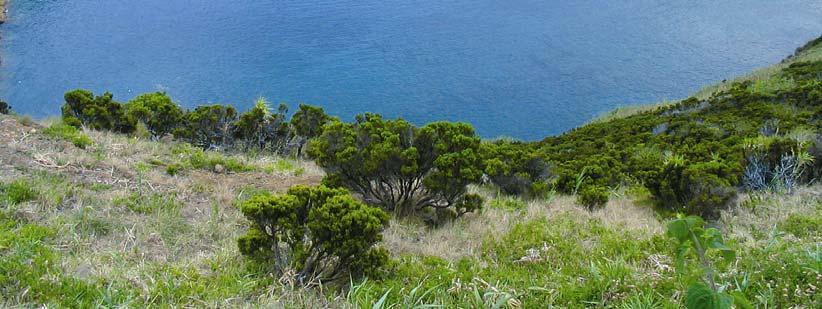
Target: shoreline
x: 3, y: 5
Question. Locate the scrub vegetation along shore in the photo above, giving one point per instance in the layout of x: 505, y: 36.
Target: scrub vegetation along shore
x: 708, y: 202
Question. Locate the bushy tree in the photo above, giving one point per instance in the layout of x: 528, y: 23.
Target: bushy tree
x: 210, y: 126
x: 403, y: 168
x: 156, y: 111
x: 259, y: 128
x: 516, y: 169
x: 5, y: 108
x: 82, y: 108
x: 307, y: 123
x: 320, y: 233
x: 699, y: 189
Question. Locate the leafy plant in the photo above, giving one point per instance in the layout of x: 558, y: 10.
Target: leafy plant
x: 692, y: 237
x: 320, y: 234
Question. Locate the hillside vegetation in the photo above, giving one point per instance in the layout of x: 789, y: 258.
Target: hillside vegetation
x: 143, y: 203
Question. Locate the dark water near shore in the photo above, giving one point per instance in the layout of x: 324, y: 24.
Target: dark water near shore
x: 522, y: 68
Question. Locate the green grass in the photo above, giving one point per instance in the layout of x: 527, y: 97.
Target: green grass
x: 146, y: 203
x: 69, y: 133
x: 17, y: 192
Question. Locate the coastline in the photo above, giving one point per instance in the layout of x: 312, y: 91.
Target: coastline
x: 3, y: 4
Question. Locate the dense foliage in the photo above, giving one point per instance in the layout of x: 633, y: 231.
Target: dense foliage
x: 694, y: 155
x: 82, y: 108
x: 400, y: 167
x: 155, y: 115
x: 322, y: 234
x: 156, y: 112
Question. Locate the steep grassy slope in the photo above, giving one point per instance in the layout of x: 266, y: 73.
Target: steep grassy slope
x: 98, y: 219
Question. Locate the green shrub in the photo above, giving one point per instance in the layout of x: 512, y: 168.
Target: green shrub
x: 259, y: 128
x: 308, y: 122
x: 82, y: 108
x: 68, y: 133
x: 17, y: 192
x: 398, y: 166
x: 209, y: 126
x: 698, y: 189
x: 323, y: 234
x: 156, y: 111
x: 516, y: 169
x: 5, y: 108
x: 593, y: 197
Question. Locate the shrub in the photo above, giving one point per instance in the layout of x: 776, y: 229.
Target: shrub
x: 593, y: 197
x: 82, y: 108
x: 320, y: 233
x: 156, y: 111
x: 259, y: 128
x: 209, y: 126
x: 698, y: 189
x: 68, y: 133
x: 307, y: 123
x: 5, y: 108
x: 17, y: 192
x: 515, y: 168
x: 400, y: 167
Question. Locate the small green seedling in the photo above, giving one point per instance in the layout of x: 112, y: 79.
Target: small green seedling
x: 692, y: 236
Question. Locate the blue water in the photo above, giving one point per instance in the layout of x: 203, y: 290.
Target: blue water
x: 521, y: 68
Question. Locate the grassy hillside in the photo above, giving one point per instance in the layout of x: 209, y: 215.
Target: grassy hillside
x: 91, y: 218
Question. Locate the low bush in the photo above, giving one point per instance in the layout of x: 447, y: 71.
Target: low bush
x: 209, y: 126
x: 697, y: 189
x: 322, y: 234
x: 82, y: 108
x: 593, y: 197
x: 516, y: 169
x: 156, y: 111
x: 69, y: 133
x: 5, y: 108
x: 259, y: 128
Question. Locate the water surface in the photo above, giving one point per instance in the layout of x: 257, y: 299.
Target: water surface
x: 521, y: 68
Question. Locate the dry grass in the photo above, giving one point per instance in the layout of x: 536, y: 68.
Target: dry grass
x: 101, y: 239
x: 761, y: 212
x: 464, y: 237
